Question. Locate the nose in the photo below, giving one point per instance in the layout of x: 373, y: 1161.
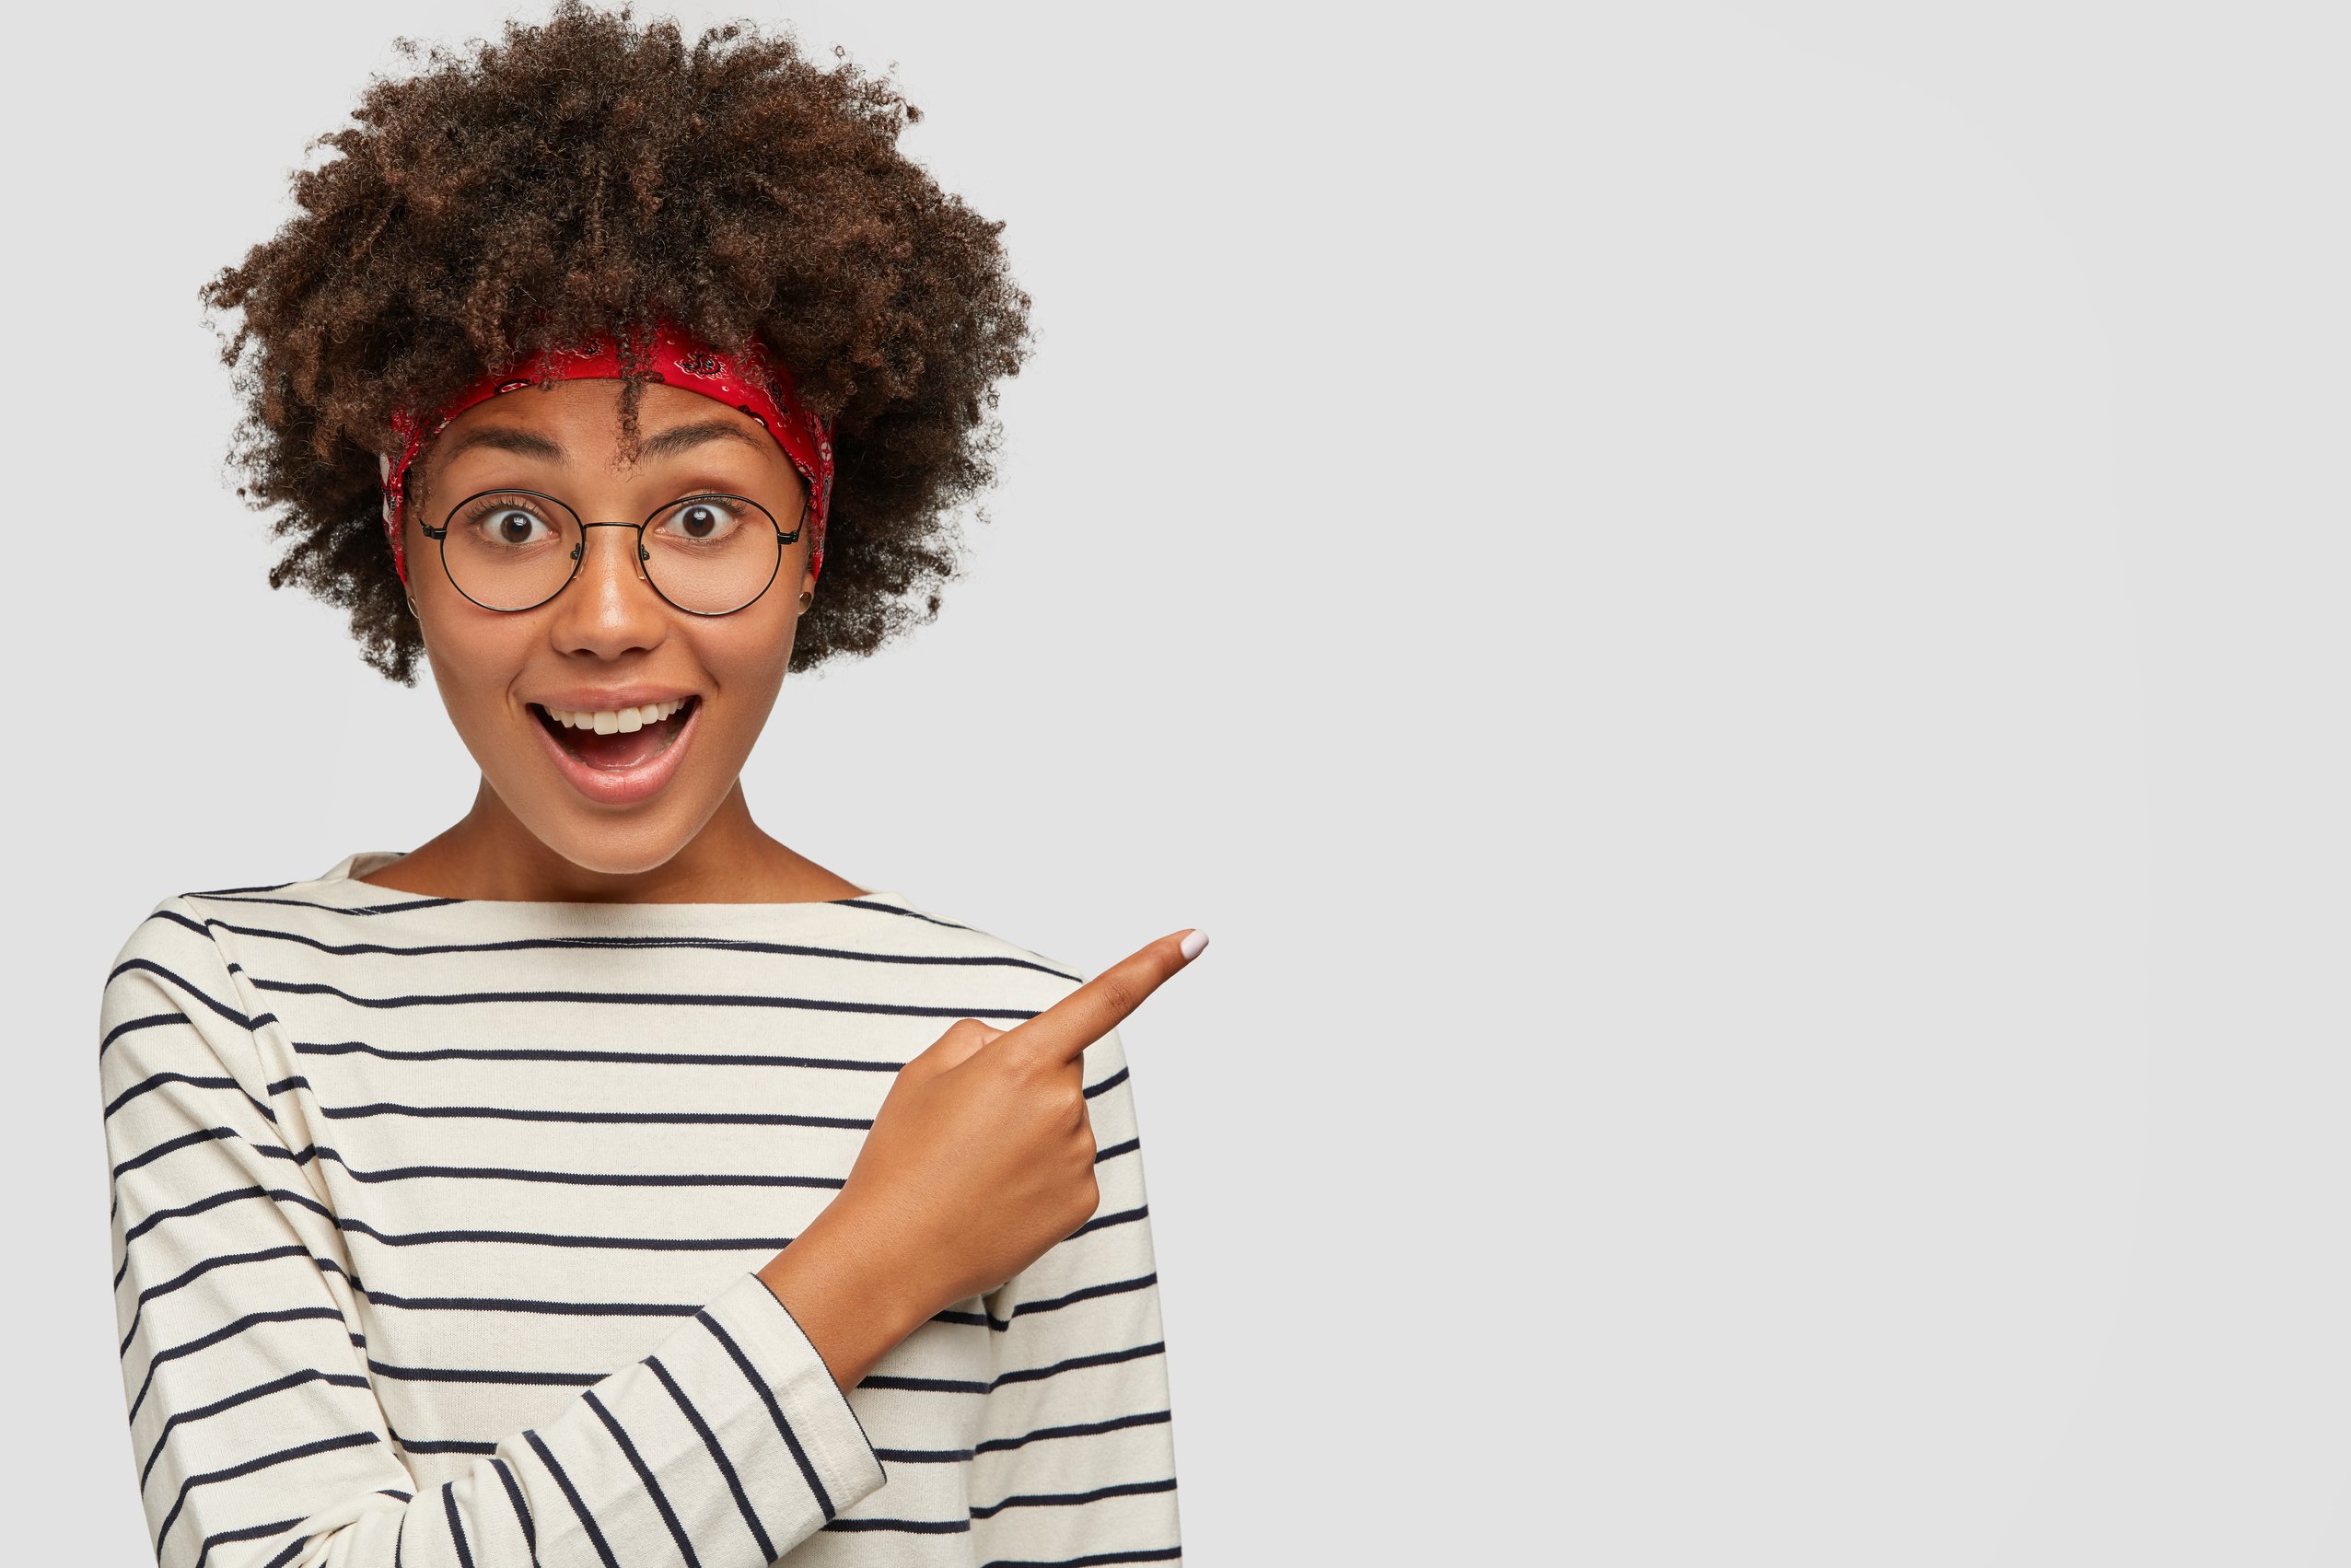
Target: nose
x: 609, y: 608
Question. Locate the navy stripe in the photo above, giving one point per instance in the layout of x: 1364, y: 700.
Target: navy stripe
x: 250, y: 1532
x: 150, y: 1021
x: 241, y: 896
x: 767, y: 1398
x: 253, y: 1466
x: 718, y: 1457
x: 521, y: 1508
x: 1074, y: 1362
x: 652, y: 1487
x: 535, y: 1238
x: 627, y: 999
x: 484, y: 1375
x: 456, y: 1526
x: 235, y: 1194
x: 661, y: 1059
x: 1073, y: 1499
x: 571, y: 1493
x: 173, y: 917
x: 598, y: 1118
x: 1100, y: 1221
x: 921, y: 1384
x: 156, y: 1216
x: 226, y: 1195
x: 1092, y: 1559
x: 1053, y: 1304
x: 563, y: 1177
x: 1081, y: 1429
x: 997, y: 1445
x: 713, y: 944
x: 156, y: 1081
x: 331, y: 909
x: 129, y: 966
x: 443, y: 1445
x: 198, y: 1271
x: 276, y: 1386
x: 549, y: 1053
x: 292, y: 1549
x: 913, y: 1526
x: 557, y: 1308
x: 186, y: 1140
x: 226, y: 1330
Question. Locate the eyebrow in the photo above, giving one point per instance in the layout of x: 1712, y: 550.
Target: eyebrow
x: 531, y: 444
x: 685, y: 437
x: 505, y: 439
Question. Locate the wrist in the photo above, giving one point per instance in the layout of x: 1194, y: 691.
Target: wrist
x: 848, y: 1294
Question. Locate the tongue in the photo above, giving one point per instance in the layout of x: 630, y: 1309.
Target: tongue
x: 618, y: 751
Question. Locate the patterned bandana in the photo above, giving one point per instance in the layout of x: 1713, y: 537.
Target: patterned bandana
x: 752, y: 384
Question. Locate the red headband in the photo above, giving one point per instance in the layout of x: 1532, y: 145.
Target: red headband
x: 752, y: 384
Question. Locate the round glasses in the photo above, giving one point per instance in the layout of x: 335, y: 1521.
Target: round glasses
x: 710, y: 555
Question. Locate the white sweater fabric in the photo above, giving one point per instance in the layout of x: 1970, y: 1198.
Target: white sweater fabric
x: 435, y: 1224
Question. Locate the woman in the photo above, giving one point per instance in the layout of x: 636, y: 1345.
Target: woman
x: 452, y: 1188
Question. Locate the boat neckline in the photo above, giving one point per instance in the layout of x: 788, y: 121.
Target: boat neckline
x: 343, y: 878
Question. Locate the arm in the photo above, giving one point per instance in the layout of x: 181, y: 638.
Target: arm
x: 255, y: 1428
x: 1076, y: 1457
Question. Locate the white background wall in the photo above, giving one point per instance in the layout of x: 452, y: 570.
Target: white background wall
x: 1732, y: 615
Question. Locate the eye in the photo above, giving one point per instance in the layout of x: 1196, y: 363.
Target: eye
x: 509, y: 524
x: 705, y: 519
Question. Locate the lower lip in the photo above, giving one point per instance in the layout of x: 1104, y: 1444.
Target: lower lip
x: 619, y: 786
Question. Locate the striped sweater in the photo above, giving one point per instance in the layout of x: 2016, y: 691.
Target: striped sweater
x: 435, y: 1224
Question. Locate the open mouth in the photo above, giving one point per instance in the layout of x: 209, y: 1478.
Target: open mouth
x: 618, y: 741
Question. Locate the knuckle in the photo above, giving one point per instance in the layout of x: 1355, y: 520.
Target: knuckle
x: 1084, y: 1199
x: 1122, y: 993
x: 1024, y: 1066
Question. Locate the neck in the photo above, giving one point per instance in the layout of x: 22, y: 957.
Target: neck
x: 490, y: 853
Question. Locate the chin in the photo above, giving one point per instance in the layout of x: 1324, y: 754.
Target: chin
x: 616, y: 848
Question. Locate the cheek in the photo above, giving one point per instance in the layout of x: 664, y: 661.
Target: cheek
x: 745, y: 664
x: 475, y: 663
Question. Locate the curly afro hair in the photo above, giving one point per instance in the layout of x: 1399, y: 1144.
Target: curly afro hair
x: 578, y: 179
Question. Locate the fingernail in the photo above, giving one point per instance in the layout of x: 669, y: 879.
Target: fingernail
x: 1192, y: 942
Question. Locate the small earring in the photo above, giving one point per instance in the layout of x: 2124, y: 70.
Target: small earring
x: 411, y: 607
x: 806, y: 599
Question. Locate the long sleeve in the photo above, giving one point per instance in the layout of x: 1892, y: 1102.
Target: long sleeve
x: 257, y: 1436
x: 1076, y: 1455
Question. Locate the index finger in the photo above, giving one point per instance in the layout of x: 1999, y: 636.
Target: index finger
x: 1062, y: 1031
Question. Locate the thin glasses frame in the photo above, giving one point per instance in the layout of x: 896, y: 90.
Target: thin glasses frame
x: 579, y: 551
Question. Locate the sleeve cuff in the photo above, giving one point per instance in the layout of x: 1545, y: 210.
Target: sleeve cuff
x: 831, y: 1437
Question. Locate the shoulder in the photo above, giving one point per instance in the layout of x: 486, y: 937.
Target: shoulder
x: 1039, y: 980
x: 172, y: 938
x: 1025, y: 980
x: 189, y: 935
x: 182, y: 932
x: 171, y: 987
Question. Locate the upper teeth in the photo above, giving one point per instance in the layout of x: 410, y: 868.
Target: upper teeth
x: 610, y: 721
